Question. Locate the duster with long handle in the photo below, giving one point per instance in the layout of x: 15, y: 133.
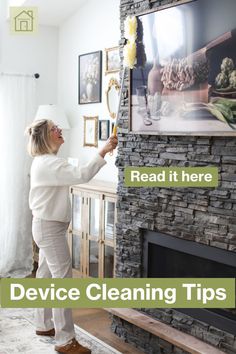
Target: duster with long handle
x: 119, y: 102
x: 114, y: 132
x: 129, y: 58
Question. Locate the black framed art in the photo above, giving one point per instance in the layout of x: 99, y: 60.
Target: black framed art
x: 104, y: 129
x: 90, y: 77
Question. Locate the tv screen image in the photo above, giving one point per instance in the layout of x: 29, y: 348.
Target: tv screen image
x: 184, y: 82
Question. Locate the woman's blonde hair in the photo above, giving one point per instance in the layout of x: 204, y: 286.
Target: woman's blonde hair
x: 39, y: 138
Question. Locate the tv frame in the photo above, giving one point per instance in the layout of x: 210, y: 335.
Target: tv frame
x: 227, y: 131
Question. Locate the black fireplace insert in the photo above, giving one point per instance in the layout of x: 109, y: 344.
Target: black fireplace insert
x: 165, y: 256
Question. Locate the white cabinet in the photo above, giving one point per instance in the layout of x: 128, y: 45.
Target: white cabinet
x: 92, y: 229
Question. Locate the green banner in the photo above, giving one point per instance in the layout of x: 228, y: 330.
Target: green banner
x: 119, y: 292
x: 171, y: 176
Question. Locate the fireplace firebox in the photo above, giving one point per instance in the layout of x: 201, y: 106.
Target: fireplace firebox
x: 165, y: 256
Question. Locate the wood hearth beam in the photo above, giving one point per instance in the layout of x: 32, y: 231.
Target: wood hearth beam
x: 182, y: 340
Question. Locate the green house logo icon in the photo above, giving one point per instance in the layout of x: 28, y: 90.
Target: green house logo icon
x: 24, y: 20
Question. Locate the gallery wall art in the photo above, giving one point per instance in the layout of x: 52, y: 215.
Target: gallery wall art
x: 112, y: 60
x: 90, y: 77
x: 91, y: 131
x: 104, y: 129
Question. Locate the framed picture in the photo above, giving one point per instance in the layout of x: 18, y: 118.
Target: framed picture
x: 90, y: 77
x: 184, y: 82
x: 104, y: 129
x: 112, y: 60
x: 91, y: 131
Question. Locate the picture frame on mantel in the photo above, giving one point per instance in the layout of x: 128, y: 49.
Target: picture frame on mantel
x: 184, y: 82
x: 91, y: 131
x: 90, y: 77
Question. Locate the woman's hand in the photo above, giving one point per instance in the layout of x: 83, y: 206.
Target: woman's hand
x: 110, y: 145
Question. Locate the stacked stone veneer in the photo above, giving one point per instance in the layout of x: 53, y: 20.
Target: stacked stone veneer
x: 205, y: 215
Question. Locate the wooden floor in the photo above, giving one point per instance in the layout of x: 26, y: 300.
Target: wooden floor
x: 97, y: 322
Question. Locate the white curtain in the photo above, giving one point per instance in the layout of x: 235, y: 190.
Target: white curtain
x: 17, y: 107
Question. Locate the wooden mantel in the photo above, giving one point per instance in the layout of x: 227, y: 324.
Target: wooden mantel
x: 164, y: 331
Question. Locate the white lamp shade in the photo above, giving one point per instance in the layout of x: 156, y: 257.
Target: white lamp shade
x: 54, y: 113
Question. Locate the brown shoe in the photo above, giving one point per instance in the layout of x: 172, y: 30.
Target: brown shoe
x: 49, y: 333
x: 72, y: 348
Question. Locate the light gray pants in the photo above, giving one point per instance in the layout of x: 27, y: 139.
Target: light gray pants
x: 54, y: 262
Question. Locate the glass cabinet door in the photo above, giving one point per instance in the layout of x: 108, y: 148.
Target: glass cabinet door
x: 77, y: 212
x: 76, y: 244
x: 76, y: 252
x: 93, y: 236
x: 94, y: 217
x: 91, y: 233
x: 93, y: 259
x: 108, y: 261
x: 108, y: 237
x: 76, y: 238
x: 109, y: 222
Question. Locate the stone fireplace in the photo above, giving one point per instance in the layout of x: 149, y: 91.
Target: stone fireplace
x: 198, y: 216
x: 166, y: 256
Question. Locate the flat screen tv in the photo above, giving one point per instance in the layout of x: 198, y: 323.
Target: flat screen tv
x: 184, y: 82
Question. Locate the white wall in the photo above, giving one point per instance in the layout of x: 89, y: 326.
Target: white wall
x: 94, y: 27
x: 29, y: 54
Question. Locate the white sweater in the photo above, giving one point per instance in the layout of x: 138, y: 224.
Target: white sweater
x: 51, y: 177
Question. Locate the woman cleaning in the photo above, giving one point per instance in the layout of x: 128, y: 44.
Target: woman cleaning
x: 49, y: 201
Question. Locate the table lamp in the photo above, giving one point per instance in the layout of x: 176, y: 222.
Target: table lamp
x: 54, y: 113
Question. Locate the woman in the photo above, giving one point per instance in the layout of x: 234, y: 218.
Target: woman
x: 49, y: 201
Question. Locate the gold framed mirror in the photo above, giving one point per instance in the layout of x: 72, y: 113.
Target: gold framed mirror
x: 112, y: 95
